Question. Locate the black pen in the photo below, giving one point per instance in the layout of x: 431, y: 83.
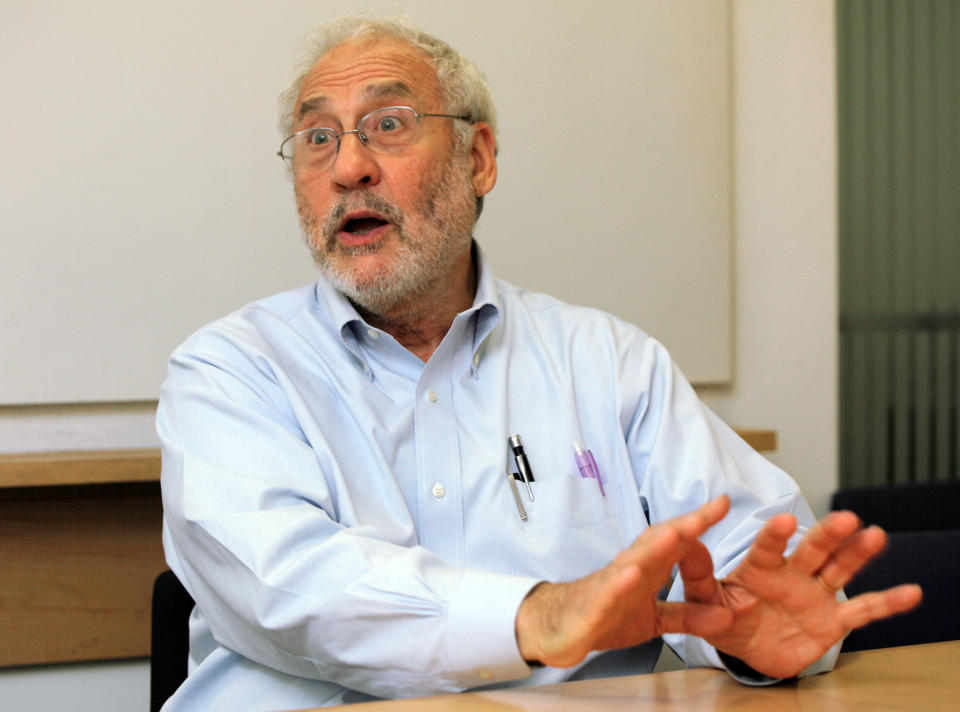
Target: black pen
x: 526, y: 474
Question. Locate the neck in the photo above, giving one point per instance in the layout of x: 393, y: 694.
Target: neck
x: 420, y: 323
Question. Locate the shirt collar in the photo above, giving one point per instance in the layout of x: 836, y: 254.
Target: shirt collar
x: 486, y: 305
x: 344, y: 318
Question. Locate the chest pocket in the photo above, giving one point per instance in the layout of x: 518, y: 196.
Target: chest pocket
x: 571, y: 529
x: 572, y: 501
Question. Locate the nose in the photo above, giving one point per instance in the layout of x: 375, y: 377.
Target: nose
x: 355, y: 165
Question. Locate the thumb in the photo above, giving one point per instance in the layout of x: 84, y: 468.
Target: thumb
x: 700, y: 619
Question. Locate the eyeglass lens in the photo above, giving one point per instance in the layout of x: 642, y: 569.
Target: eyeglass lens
x: 384, y: 130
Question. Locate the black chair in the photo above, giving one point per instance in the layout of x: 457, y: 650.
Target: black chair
x: 909, y: 508
x: 929, y: 558
x: 923, y: 523
x: 169, y: 638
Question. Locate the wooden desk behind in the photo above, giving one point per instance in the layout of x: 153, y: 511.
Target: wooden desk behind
x: 918, y: 677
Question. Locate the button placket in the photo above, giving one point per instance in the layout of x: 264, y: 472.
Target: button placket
x: 441, y: 526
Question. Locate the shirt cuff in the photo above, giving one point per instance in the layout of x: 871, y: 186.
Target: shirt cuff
x: 743, y: 673
x: 696, y: 652
x: 481, y: 639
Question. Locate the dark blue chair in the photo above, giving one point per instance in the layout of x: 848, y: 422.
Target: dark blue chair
x: 169, y: 638
x: 923, y: 524
x: 904, y: 508
x: 929, y: 558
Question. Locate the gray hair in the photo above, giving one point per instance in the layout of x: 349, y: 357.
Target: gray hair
x: 464, y: 88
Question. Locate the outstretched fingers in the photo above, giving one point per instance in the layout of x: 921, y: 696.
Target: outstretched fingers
x: 558, y: 624
x: 698, y: 619
x: 873, y: 606
x: 666, y: 543
x: 696, y: 616
x: 823, y: 539
x: 767, y: 549
x: 852, y: 555
x: 696, y: 569
x: 695, y: 524
x: 635, y: 576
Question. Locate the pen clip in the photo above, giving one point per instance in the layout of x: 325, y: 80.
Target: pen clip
x: 516, y: 496
x: 596, y: 471
x: 519, y: 456
x: 588, y: 465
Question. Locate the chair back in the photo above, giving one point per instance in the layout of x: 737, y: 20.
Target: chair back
x: 929, y: 558
x: 169, y: 638
x: 904, y: 508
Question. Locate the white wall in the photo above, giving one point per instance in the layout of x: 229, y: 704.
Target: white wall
x: 77, y: 426
x: 785, y: 345
x: 785, y: 261
x: 119, y: 241
x: 92, y: 687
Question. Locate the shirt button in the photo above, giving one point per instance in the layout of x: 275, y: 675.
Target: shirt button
x: 432, y: 395
x: 439, y: 491
x: 486, y: 675
x: 373, y: 333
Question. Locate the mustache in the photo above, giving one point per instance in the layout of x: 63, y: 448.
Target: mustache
x: 358, y: 201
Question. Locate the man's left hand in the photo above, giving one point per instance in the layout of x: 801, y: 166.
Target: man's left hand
x: 786, y: 613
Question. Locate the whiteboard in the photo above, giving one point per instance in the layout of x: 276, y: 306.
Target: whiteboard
x: 140, y: 196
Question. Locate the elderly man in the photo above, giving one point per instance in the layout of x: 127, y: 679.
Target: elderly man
x: 338, y: 459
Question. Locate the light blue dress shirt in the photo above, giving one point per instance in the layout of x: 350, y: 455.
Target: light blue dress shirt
x: 340, y: 510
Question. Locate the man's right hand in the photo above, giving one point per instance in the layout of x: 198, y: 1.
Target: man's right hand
x: 558, y: 624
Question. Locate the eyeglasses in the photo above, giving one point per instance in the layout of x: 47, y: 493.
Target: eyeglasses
x: 386, y: 130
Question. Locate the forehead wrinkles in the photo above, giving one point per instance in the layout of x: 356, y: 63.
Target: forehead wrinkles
x: 347, y: 72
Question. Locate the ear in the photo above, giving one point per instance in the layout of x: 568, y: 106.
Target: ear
x: 483, y: 159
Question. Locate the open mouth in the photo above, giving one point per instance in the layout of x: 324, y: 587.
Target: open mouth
x: 361, y: 226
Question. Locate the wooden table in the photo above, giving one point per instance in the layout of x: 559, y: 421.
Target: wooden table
x: 915, y: 678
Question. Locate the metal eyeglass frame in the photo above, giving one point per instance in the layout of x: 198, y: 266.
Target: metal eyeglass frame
x: 363, y: 138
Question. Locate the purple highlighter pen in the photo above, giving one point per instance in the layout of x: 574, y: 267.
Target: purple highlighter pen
x: 596, y: 471
x: 588, y: 465
x: 583, y: 464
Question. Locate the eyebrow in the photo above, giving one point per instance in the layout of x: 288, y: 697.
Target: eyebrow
x: 381, y: 91
x: 311, y: 106
x: 316, y: 104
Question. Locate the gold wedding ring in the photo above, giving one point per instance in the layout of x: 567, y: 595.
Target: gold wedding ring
x: 827, y: 587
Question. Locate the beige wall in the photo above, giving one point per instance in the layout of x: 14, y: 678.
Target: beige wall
x: 785, y: 342
x: 618, y: 117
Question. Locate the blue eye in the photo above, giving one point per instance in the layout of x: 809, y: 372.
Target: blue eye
x: 388, y: 123
x: 319, y: 138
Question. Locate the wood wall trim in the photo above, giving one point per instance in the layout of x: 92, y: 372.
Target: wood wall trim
x: 759, y: 440
x: 79, y: 467
x: 92, y: 467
